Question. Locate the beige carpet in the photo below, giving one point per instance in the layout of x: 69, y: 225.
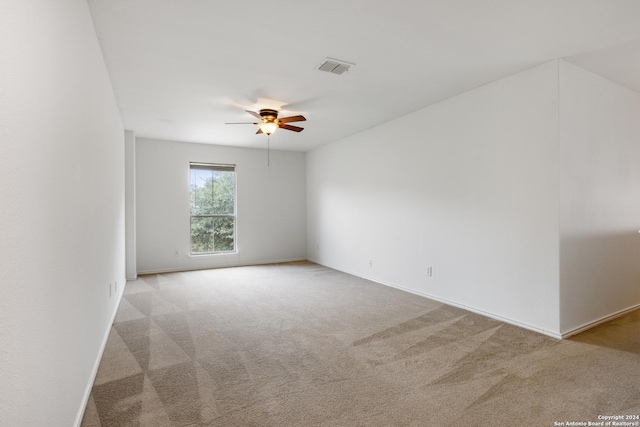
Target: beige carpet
x: 302, y: 345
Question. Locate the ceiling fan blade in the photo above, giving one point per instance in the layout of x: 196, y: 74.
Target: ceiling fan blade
x: 292, y: 119
x: 241, y: 123
x: 259, y: 132
x: 293, y: 128
x: 254, y: 114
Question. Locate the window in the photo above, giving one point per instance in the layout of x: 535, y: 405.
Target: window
x: 213, y: 208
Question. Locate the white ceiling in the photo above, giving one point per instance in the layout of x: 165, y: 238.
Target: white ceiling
x: 181, y: 69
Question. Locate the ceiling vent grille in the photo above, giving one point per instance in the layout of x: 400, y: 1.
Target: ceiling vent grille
x: 334, y: 66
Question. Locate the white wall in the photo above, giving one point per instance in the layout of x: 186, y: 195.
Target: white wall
x: 61, y: 210
x: 600, y: 197
x: 468, y: 186
x: 271, y: 205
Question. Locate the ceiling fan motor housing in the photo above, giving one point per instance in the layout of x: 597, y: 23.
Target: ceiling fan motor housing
x: 268, y: 114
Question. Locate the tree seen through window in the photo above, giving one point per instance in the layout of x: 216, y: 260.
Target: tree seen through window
x: 212, y: 191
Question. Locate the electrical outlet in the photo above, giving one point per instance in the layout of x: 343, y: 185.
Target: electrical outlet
x: 109, y: 290
x: 370, y: 263
x: 429, y: 271
x: 176, y: 253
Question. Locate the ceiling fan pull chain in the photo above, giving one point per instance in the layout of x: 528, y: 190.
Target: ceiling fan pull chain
x: 268, y: 150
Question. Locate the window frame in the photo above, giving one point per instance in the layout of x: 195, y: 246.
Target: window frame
x: 223, y: 167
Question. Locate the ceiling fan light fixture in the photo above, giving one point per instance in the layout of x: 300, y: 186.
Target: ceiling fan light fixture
x: 268, y: 127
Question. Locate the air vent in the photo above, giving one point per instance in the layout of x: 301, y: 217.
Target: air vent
x: 334, y: 66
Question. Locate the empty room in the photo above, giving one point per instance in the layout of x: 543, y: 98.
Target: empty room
x: 420, y: 213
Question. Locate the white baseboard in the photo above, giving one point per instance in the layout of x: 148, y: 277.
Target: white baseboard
x: 551, y: 334
x: 599, y: 321
x: 242, y: 264
x: 96, y: 364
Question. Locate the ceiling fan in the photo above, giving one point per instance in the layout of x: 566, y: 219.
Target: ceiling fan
x: 269, y: 121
